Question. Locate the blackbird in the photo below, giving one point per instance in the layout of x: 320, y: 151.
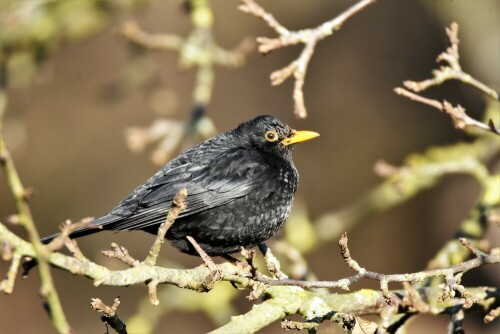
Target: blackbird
x: 240, y: 187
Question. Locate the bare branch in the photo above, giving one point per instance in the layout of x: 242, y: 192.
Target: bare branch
x: 492, y: 257
x: 122, y: 254
x: 178, y: 205
x: 297, y: 326
x: 251, y: 7
x: 308, y: 37
x: 344, y: 251
x: 451, y: 70
x: 460, y: 119
x: 280, y: 300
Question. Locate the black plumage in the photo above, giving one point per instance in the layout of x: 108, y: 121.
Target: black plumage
x: 240, y: 187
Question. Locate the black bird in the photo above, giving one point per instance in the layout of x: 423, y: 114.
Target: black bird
x: 240, y: 187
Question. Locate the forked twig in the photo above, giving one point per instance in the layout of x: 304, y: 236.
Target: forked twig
x: 308, y: 37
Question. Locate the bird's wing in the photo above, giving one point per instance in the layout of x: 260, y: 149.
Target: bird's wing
x: 209, y: 183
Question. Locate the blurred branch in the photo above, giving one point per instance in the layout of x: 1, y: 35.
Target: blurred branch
x: 308, y: 37
x: 199, y: 50
x: 31, y: 30
x: 131, y: 31
x: 418, y: 172
x: 25, y: 219
x: 473, y: 228
x: 492, y: 315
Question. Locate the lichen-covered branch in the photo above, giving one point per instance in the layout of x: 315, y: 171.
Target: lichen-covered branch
x: 25, y: 219
x: 315, y: 307
x: 417, y: 173
x: 185, y: 278
x: 308, y: 37
x: 32, y: 30
x: 288, y: 299
x: 281, y: 300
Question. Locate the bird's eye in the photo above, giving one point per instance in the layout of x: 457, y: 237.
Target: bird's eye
x: 271, y: 136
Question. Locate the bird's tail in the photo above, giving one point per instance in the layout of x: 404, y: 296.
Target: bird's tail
x: 102, y: 223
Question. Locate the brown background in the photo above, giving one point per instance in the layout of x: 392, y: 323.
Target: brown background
x: 67, y: 138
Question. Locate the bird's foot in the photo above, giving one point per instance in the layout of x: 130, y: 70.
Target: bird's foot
x: 249, y: 255
x: 215, y: 274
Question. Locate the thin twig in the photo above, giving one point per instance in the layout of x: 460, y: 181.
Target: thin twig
x: 297, y: 325
x: 308, y: 37
x: 122, y: 254
x: 7, y: 285
x: 178, y: 205
x: 460, y: 119
x: 452, y: 70
x: 493, y: 257
x: 110, y: 317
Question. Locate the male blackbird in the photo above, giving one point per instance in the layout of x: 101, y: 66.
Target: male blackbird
x: 240, y: 187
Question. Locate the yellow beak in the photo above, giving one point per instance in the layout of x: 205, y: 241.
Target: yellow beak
x: 299, y: 136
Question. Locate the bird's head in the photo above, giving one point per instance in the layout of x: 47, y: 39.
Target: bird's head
x: 272, y: 135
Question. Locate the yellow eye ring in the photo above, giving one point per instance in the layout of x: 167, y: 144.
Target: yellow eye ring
x: 271, y: 136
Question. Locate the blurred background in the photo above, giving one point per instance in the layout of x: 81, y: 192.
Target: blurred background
x: 76, y: 93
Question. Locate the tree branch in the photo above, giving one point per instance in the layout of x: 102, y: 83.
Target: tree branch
x: 308, y: 37
x: 452, y: 70
x: 362, y: 273
x: 178, y: 205
x: 460, y: 119
x: 110, y: 317
x: 47, y: 289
